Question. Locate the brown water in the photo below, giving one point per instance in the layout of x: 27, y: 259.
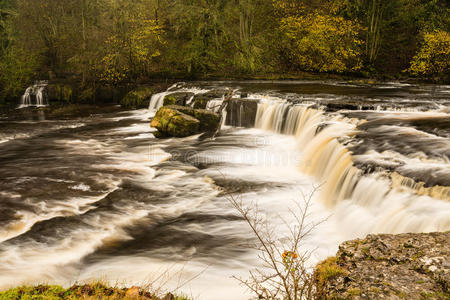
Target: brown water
x: 99, y: 197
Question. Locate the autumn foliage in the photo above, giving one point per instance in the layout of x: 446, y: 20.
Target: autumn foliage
x: 433, y: 57
x: 114, y: 42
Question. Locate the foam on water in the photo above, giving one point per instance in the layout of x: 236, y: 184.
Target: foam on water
x: 147, y: 207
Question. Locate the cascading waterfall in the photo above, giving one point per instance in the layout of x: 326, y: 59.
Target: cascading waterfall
x: 26, y: 98
x: 342, y: 184
x: 331, y: 164
x: 214, y: 105
x: 324, y: 157
x: 35, y: 95
x: 157, y: 100
x: 437, y: 191
x: 281, y: 117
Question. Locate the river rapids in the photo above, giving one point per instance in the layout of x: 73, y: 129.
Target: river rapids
x: 100, y: 198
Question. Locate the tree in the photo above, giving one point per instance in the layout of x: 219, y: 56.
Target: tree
x: 17, y: 65
x: 322, y: 43
x: 392, y: 28
x: 433, y: 57
x: 284, y: 273
x: 134, y: 40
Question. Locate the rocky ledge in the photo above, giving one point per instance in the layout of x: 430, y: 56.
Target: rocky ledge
x: 405, y: 266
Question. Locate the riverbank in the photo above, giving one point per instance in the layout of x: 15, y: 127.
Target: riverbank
x: 66, y: 92
x: 404, y: 266
x: 86, y: 291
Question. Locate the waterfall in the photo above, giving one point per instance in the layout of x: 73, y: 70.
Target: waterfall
x: 323, y: 156
x: 281, y: 117
x: 331, y: 164
x: 35, y: 95
x: 190, y: 101
x: 26, y: 98
x: 406, y: 183
x: 214, y: 105
x: 157, y: 100
x: 343, y: 186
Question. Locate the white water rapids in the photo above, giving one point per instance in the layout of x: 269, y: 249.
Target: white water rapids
x: 105, y: 200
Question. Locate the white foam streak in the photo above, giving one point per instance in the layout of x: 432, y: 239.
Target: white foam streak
x: 66, y: 208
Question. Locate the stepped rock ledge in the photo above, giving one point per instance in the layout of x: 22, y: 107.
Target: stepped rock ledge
x: 404, y: 266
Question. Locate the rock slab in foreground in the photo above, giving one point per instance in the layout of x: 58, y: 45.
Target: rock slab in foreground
x: 405, y: 266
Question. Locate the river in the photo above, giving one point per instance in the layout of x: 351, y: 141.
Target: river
x: 100, y: 198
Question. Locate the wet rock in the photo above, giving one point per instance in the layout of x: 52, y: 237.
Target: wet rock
x: 137, y: 98
x: 201, y: 100
x: 179, y: 121
x: 404, y: 266
x: 180, y: 98
x: 208, y: 119
x: 171, y: 122
x: 242, y: 112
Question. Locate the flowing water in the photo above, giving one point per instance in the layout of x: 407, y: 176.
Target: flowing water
x: 35, y: 95
x: 101, y: 198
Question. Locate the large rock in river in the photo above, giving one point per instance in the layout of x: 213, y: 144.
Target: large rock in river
x: 181, y: 121
x: 172, y: 122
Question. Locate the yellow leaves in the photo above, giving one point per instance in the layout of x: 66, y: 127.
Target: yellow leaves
x: 434, y: 56
x: 322, y: 43
x: 131, y: 47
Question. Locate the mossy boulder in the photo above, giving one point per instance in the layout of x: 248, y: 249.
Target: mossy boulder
x: 172, y: 122
x: 208, y: 119
x: 180, y: 121
x: 138, y: 98
x: 177, y: 98
x: 201, y: 101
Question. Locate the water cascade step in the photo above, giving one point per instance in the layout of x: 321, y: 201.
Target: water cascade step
x: 157, y: 100
x: 344, y: 187
x: 35, y: 95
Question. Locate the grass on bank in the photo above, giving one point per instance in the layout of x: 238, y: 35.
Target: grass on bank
x: 87, y: 292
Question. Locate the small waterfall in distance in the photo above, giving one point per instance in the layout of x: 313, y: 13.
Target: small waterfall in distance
x: 35, y: 95
x: 343, y: 186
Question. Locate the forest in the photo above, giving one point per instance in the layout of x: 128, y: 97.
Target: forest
x: 113, y: 42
